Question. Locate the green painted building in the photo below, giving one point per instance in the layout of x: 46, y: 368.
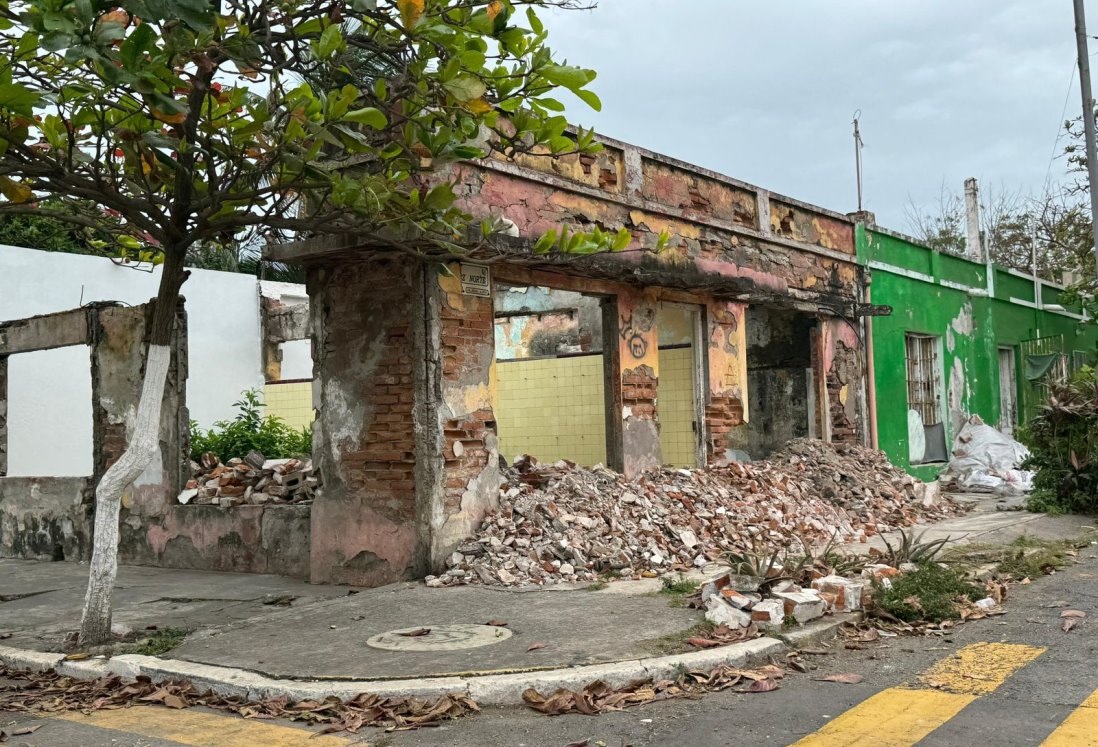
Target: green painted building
x: 961, y: 339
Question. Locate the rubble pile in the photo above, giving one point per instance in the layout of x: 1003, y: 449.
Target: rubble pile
x: 563, y: 523
x: 253, y: 480
x: 862, y: 482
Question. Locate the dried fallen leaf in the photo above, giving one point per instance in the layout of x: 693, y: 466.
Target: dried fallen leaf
x: 703, y: 642
x: 415, y: 633
x: 24, y: 730
x: 174, y: 701
x: 581, y: 743
x: 846, y: 679
x: 496, y: 623
x: 1073, y: 613
x: 760, y: 686
x: 535, y: 646
x: 1069, y: 624
x: 5, y: 636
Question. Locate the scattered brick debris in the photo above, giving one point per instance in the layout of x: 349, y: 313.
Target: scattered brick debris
x: 563, y: 523
x: 253, y: 480
x: 49, y: 692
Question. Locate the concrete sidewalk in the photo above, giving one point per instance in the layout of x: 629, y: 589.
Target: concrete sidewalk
x: 561, y: 635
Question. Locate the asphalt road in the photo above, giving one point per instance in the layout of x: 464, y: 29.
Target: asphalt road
x: 1005, y: 681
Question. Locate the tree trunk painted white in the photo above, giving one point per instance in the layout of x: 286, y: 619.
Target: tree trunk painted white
x: 95, y: 626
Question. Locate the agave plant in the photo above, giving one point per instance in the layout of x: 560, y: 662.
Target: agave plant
x: 912, y: 549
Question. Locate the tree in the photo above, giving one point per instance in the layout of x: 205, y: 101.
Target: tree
x: 189, y: 122
x: 1055, y: 224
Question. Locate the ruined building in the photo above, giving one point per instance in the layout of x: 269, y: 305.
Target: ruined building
x: 740, y: 333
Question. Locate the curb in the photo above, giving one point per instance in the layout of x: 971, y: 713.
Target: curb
x: 496, y: 689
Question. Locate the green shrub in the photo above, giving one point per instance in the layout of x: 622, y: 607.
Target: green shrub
x: 269, y: 435
x: 1063, y: 440
x: 929, y: 593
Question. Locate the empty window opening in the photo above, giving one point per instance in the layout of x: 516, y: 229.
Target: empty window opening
x: 677, y: 403
x: 550, y: 374
x: 49, y: 402
x: 1008, y: 391
x: 779, y: 364
x: 926, y: 431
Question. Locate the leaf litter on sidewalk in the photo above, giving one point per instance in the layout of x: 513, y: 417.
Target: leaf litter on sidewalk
x: 599, y: 697
x: 49, y: 692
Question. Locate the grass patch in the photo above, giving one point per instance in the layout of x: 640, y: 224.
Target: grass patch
x: 929, y: 593
x: 597, y: 586
x: 678, y: 589
x: 675, y: 643
x: 678, y: 585
x: 1025, y: 557
x: 161, y: 641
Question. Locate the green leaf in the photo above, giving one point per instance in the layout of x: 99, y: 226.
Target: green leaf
x: 589, y: 98
x: 369, y: 116
x: 440, y: 197
x: 17, y: 98
x: 465, y: 87
x: 331, y: 41
x: 535, y: 23
x: 572, y: 78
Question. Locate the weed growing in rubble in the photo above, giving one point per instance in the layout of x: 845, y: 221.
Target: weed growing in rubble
x: 912, y: 549
x: 250, y: 430
x: 161, y: 641
x: 930, y: 593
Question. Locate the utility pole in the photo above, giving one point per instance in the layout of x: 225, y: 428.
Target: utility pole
x: 858, y: 156
x: 973, y: 245
x: 1088, y: 121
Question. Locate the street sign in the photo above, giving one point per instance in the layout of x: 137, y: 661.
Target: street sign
x: 476, y: 280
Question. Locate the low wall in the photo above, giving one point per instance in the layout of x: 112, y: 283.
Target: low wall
x: 242, y: 539
x: 45, y: 518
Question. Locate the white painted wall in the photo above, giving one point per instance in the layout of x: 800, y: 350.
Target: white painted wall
x: 224, y: 348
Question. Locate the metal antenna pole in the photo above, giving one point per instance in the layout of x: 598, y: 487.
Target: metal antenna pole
x: 1088, y: 120
x: 858, y: 156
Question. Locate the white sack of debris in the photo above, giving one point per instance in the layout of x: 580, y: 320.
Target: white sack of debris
x: 985, y: 460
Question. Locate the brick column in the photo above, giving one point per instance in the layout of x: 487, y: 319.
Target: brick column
x: 726, y: 406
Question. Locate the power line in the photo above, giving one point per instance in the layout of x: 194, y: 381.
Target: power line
x: 1060, y: 124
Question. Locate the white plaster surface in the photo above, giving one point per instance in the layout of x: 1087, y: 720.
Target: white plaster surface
x: 51, y: 435
x: 224, y: 347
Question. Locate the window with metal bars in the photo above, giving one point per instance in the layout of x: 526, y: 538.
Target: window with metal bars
x: 924, y: 380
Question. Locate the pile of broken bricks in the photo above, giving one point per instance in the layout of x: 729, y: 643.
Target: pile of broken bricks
x: 252, y: 481
x: 564, y: 523
x: 739, y: 601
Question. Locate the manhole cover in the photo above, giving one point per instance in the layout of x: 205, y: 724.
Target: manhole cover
x: 440, y: 638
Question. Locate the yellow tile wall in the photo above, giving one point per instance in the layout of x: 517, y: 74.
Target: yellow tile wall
x: 675, y: 406
x: 552, y: 408
x: 292, y: 402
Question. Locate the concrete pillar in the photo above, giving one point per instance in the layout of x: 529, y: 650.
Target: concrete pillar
x: 638, y: 361
x: 726, y: 406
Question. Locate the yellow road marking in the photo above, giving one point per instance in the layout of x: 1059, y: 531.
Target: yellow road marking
x: 980, y: 668
x: 201, y: 728
x: 1080, y: 729
x: 901, y: 716
x: 892, y: 718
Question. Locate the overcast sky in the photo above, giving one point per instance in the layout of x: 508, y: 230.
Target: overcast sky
x: 766, y: 91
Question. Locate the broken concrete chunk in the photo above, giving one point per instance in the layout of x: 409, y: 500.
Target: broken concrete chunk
x: 720, y: 613
x: 847, y: 593
x: 255, y: 459
x: 188, y: 495
x: 736, y: 599
x: 802, y: 606
x: 768, y: 614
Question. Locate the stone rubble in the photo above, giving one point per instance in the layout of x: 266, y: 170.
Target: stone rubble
x: 562, y: 523
x: 253, y: 480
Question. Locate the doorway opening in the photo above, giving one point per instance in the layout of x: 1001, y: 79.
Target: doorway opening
x: 781, y: 405
x: 679, y: 328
